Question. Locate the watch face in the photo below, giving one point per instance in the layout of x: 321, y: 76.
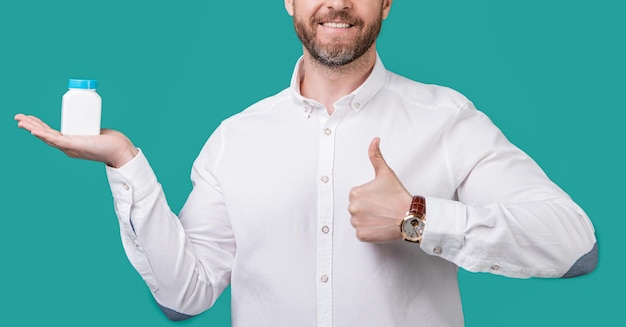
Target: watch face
x: 413, y: 228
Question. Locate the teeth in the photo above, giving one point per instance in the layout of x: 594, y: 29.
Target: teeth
x: 336, y: 25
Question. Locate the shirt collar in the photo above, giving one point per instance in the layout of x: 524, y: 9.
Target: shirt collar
x: 356, y: 100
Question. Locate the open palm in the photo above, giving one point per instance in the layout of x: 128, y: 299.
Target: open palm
x: 110, y: 147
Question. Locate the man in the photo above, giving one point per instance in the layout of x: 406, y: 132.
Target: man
x: 296, y: 208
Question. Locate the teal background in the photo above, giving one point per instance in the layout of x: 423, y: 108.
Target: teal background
x: 549, y: 73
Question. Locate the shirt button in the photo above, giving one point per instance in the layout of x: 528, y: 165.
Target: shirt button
x: 328, y: 131
x: 325, y: 179
x: 325, y: 229
x: 125, y: 186
x: 324, y: 278
x: 136, y: 244
x: 357, y: 105
x: 495, y: 267
x: 437, y: 250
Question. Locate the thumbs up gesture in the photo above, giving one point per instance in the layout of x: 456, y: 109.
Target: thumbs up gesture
x: 377, y: 207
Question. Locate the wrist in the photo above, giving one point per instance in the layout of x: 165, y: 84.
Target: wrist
x: 123, y: 157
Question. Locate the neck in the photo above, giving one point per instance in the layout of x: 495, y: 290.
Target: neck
x: 327, y: 84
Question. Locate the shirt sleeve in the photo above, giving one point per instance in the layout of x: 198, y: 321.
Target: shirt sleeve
x: 508, y: 218
x: 186, y: 259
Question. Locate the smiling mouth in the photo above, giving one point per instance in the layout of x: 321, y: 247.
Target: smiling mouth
x: 336, y: 25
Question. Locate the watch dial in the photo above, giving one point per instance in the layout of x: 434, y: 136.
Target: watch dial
x: 413, y: 229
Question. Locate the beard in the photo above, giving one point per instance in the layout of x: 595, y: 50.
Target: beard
x: 338, y: 52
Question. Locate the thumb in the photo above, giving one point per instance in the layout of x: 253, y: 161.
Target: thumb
x: 376, y: 157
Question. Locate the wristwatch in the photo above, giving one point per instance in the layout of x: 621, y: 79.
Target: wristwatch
x: 412, y: 226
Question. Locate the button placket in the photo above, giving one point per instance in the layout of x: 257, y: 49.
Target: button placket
x: 325, y: 219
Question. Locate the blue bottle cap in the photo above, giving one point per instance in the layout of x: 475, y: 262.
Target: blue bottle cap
x: 82, y: 84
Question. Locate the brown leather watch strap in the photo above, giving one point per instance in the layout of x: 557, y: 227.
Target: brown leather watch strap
x: 418, y: 207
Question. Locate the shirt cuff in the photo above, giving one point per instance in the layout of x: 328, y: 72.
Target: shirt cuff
x: 443, y: 233
x: 135, y: 177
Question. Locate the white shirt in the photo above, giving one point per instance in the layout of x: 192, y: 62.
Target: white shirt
x: 268, y: 211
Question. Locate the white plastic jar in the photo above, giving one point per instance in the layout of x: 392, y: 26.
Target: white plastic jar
x: 81, y: 108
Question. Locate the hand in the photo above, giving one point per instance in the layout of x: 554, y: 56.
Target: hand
x: 379, y: 205
x: 110, y: 147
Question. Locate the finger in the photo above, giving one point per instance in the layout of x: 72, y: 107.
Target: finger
x: 22, y: 120
x: 50, y: 136
x: 376, y: 157
x: 27, y: 124
x: 30, y: 122
x: 33, y: 128
x: 22, y: 117
x: 38, y: 121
